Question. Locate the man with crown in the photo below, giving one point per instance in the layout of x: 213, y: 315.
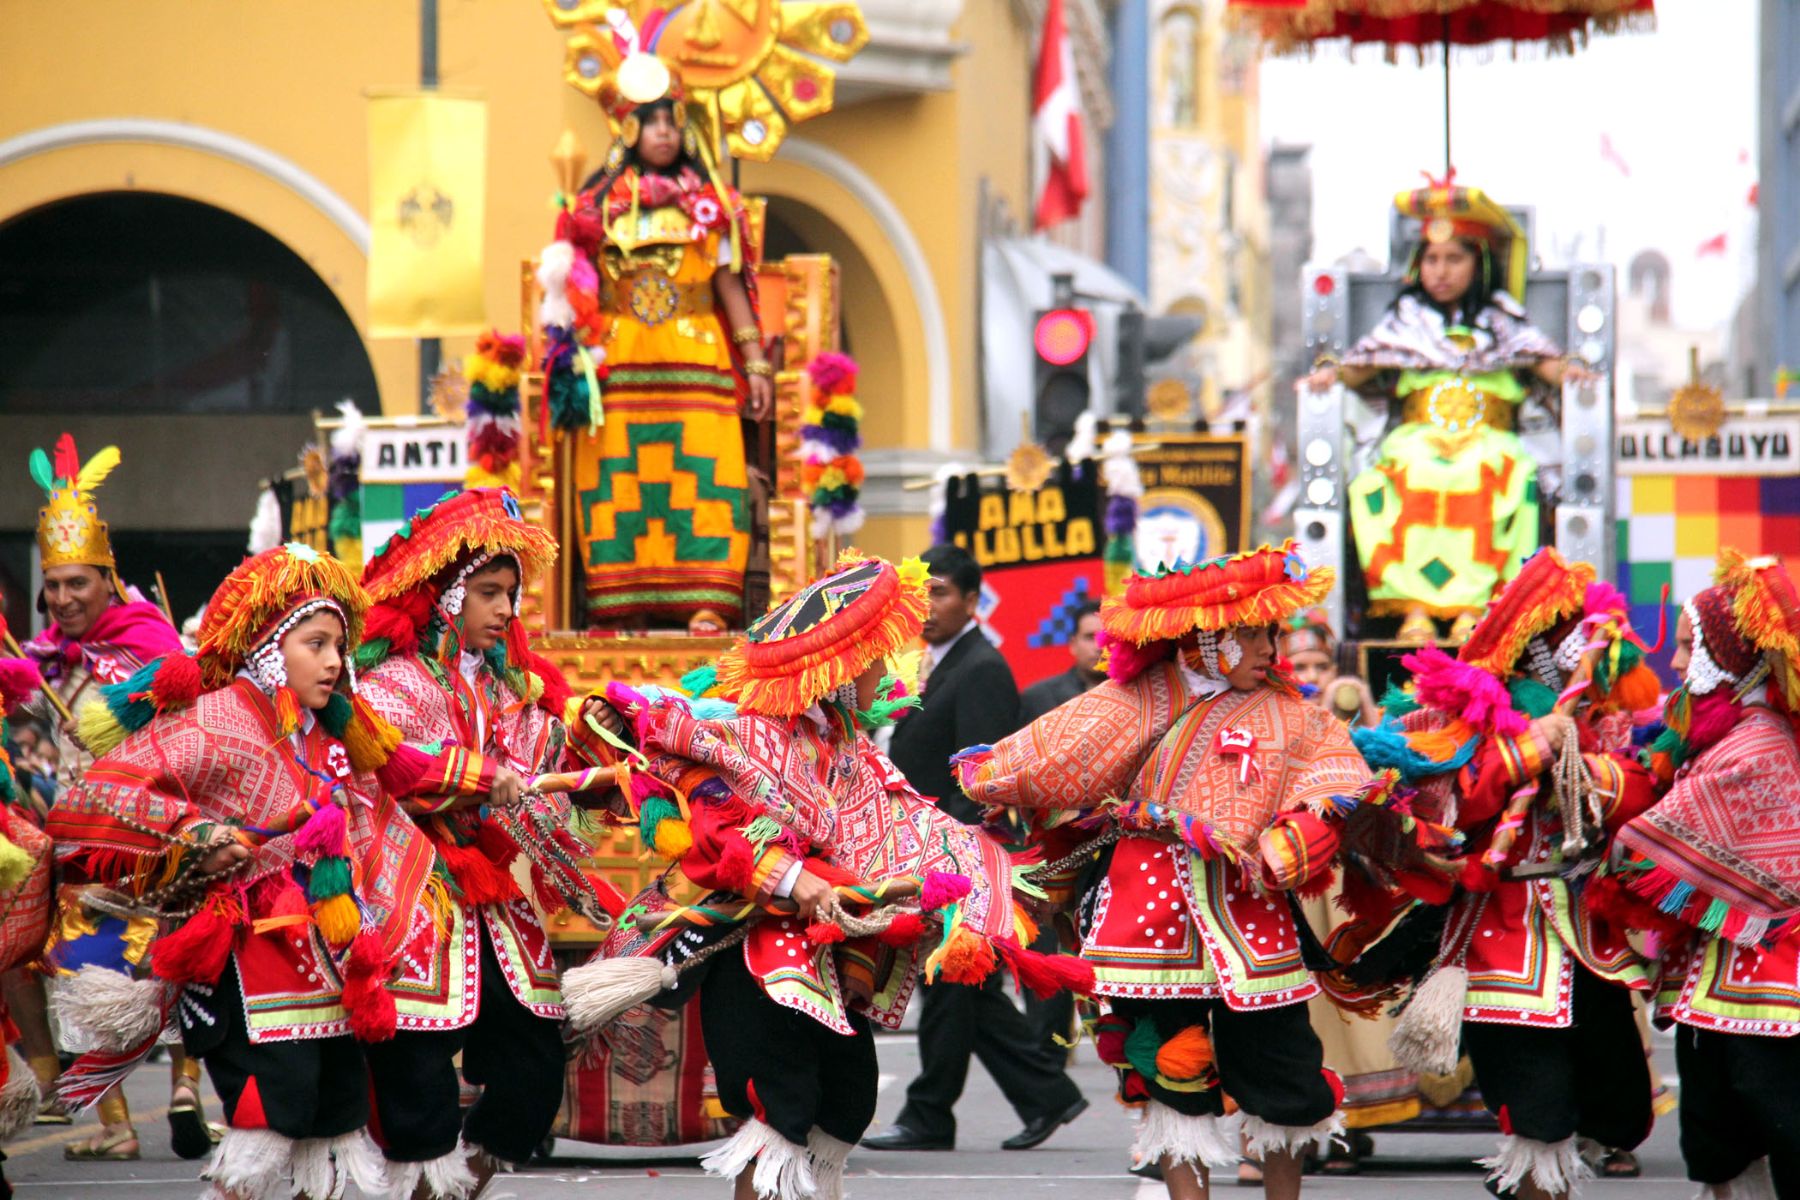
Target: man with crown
x: 778, y: 798
x: 1713, y: 868
x: 1216, y: 791
x: 650, y: 316
x: 100, y: 633
x: 1524, y: 744
x: 448, y: 663
x: 1449, y: 509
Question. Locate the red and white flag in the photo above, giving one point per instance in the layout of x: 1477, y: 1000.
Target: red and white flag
x: 1058, y: 133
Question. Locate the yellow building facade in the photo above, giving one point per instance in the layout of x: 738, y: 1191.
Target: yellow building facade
x: 260, y: 111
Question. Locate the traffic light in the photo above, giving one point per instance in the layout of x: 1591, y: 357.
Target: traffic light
x: 1061, y: 393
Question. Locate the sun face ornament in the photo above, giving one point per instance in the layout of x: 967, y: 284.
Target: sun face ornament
x: 755, y: 68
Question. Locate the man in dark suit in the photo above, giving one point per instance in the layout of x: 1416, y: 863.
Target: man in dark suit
x: 1084, y: 648
x: 969, y: 698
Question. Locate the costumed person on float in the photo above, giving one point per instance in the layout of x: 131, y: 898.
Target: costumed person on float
x: 844, y: 886
x: 1524, y: 743
x: 101, y: 632
x: 1220, y: 790
x: 1713, y: 870
x: 1449, y: 509
x: 649, y: 316
x: 236, y: 795
x: 448, y: 663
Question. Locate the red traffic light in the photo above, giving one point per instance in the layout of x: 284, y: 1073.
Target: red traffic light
x: 1063, y: 335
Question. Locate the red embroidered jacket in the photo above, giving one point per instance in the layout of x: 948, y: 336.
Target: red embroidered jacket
x: 223, y: 761
x: 1520, y: 941
x: 480, y: 724
x: 826, y: 793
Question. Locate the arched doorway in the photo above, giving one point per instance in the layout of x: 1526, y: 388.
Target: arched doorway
x: 189, y: 337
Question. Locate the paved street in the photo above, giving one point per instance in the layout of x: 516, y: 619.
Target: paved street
x: 1087, y: 1159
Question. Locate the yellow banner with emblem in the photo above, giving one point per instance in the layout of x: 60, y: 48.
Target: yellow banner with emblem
x: 427, y: 184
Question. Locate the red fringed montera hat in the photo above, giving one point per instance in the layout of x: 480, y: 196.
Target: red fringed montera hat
x: 1257, y: 587
x: 476, y: 521
x: 260, y: 593
x: 1766, y: 605
x: 826, y: 635
x: 1547, y: 591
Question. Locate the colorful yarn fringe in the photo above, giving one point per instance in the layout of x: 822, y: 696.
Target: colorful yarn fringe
x: 830, y: 436
x: 1766, y: 607
x: 1548, y: 589
x: 492, y: 373
x: 485, y: 520
x: 1258, y: 587
x: 258, y: 592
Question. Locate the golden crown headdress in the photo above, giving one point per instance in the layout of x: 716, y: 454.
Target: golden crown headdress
x: 69, y: 529
x: 749, y: 70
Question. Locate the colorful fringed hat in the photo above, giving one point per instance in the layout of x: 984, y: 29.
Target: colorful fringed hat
x: 1258, y: 587
x: 1766, y: 605
x: 476, y: 521
x: 826, y: 634
x: 259, y: 595
x: 69, y: 529
x: 1547, y: 591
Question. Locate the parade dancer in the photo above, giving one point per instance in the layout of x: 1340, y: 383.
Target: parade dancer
x: 1535, y: 980
x: 1714, y: 869
x: 1227, y: 784
x: 100, y: 633
x: 787, y: 799
x: 244, y: 807
x: 448, y: 663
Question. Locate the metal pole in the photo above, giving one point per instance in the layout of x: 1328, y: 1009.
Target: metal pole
x: 1446, y: 27
x: 431, y: 350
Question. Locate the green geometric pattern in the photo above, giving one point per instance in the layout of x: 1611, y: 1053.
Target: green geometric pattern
x: 1438, y: 572
x: 657, y: 501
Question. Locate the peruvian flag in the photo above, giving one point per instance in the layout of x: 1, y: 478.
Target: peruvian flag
x: 1057, y: 130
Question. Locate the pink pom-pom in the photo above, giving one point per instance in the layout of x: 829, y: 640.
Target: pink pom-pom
x: 323, y: 834
x: 943, y: 888
x: 19, y: 679
x: 1126, y: 661
x: 833, y: 373
x: 1603, y: 597
x: 1454, y: 687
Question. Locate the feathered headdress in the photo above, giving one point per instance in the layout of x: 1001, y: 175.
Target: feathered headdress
x: 69, y: 530
x: 826, y: 635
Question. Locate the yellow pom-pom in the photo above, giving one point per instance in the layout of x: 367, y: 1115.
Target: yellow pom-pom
x: 845, y: 406
x: 534, y: 687
x: 100, y: 730
x: 673, y: 838
x: 369, y: 737
x: 15, y: 864
x: 812, y: 415
x: 338, y: 919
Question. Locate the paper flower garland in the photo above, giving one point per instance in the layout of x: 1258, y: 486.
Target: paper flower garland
x: 829, y: 439
x: 492, y: 373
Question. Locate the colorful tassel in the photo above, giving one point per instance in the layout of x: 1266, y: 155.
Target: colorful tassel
x: 1186, y: 1056
x: 905, y: 929
x: 942, y: 888
x: 338, y: 919
x: 15, y: 864
x: 196, y: 951
x: 373, y: 1017
x: 322, y: 835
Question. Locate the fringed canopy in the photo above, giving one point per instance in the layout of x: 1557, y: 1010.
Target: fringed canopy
x: 259, y: 593
x: 825, y: 635
x: 1257, y: 587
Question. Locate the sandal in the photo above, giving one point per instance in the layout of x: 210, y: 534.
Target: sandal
x: 53, y: 1112
x: 1620, y: 1164
x: 105, y: 1147
x: 189, y: 1135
